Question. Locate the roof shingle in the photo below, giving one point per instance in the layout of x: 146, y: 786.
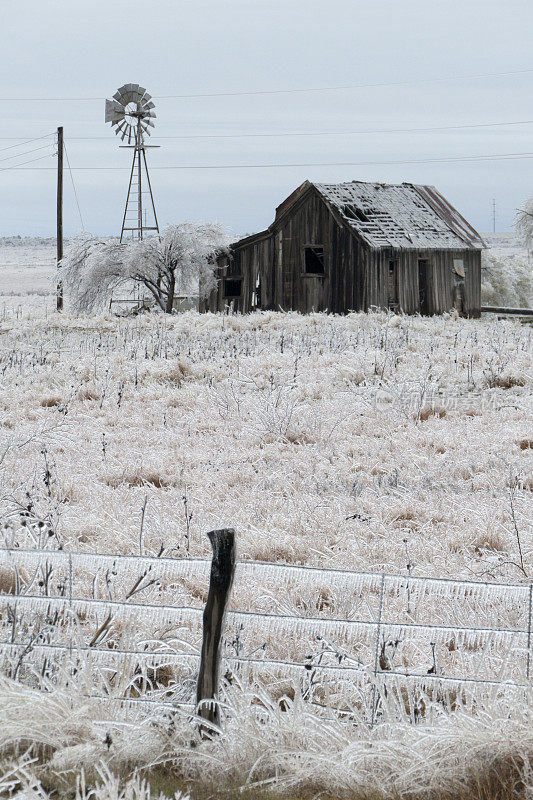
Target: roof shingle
x: 400, y: 216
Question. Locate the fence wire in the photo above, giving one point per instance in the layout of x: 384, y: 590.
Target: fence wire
x: 52, y: 616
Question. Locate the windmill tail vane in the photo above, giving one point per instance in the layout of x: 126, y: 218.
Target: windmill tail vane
x: 131, y: 114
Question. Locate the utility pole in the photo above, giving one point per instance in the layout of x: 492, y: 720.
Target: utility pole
x: 59, y: 296
x: 494, y: 216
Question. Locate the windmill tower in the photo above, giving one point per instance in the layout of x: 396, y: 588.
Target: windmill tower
x: 131, y: 113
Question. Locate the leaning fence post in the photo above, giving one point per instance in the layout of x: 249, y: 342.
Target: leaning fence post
x: 222, y: 570
x: 376, y: 654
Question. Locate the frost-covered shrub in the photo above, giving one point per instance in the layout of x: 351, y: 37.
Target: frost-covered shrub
x: 506, y: 280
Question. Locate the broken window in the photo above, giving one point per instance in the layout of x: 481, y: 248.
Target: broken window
x: 314, y: 260
x: 232, y: 287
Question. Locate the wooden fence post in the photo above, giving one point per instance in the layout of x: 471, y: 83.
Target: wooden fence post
x: 222, y: 571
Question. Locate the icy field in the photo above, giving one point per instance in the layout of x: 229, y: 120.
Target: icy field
x: 365, y: 442
x: 27, y: 268
x: 368, y: 442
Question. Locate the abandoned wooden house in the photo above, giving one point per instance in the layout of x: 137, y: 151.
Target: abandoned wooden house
x: 353, y: 247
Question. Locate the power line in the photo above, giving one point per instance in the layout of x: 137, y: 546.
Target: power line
x: 31, y: 161
x: 285, y: 91
x: 320, y: 133
x: 28, y: 141
x: 352, y: 86
x: 73, y: 185
x: 450, y: 159
x: 298, y: 133
x: 26, y: 153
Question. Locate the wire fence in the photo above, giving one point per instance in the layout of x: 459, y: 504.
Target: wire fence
x: 128, y: 629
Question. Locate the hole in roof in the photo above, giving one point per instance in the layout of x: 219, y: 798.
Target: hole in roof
x: 352, y: 212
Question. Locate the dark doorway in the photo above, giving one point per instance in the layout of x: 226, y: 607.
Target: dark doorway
x: 423, y: 299
x: 392, y: 285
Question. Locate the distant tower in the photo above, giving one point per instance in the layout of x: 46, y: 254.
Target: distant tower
x: 131, y: 111
x: 494, y: 216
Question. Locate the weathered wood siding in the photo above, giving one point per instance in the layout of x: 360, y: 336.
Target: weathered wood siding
x: 251, y: 263
x: 356, y: 277
x: 342, y: 287
x: 439, y: 280
x: 307, y: 224
x: 472, y: 306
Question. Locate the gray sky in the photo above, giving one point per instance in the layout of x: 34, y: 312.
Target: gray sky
x: 71, y: 49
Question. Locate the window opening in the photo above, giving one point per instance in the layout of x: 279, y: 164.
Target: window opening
x: 314, y: 260
x: 232, y: 287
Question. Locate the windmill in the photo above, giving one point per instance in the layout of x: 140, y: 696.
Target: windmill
x: 131, y: 113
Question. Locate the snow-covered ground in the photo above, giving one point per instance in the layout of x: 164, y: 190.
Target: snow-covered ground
x: 505, y: 244
x: 368, y: 442
x: 27, y: 270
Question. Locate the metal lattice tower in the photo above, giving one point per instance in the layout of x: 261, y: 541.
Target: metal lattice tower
x: 131, y: 113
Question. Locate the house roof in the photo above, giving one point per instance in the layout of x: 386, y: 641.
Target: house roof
x: 402, y: 215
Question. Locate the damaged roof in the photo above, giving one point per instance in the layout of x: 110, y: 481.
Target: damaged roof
x: 402, y: 215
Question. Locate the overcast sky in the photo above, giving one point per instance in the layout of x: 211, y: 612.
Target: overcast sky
x: 55, y: 52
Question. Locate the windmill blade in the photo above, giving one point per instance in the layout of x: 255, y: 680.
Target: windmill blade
x: 131, y: 93
x: 113, y: 111
x: 120, y: 127
x: 122, y: 94
x: 148, y: 106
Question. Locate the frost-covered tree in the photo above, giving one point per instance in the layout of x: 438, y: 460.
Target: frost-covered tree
x: 181, y: 260
x: 89, y: 271
x: 524, y: 223
x: 507, y: 280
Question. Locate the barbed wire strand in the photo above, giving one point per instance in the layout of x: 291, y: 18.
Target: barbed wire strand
x: 64, y: 554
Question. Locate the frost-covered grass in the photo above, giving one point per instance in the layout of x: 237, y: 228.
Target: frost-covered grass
x: 288, y: 753
x: 366, y: 442
x: 322, y: 440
